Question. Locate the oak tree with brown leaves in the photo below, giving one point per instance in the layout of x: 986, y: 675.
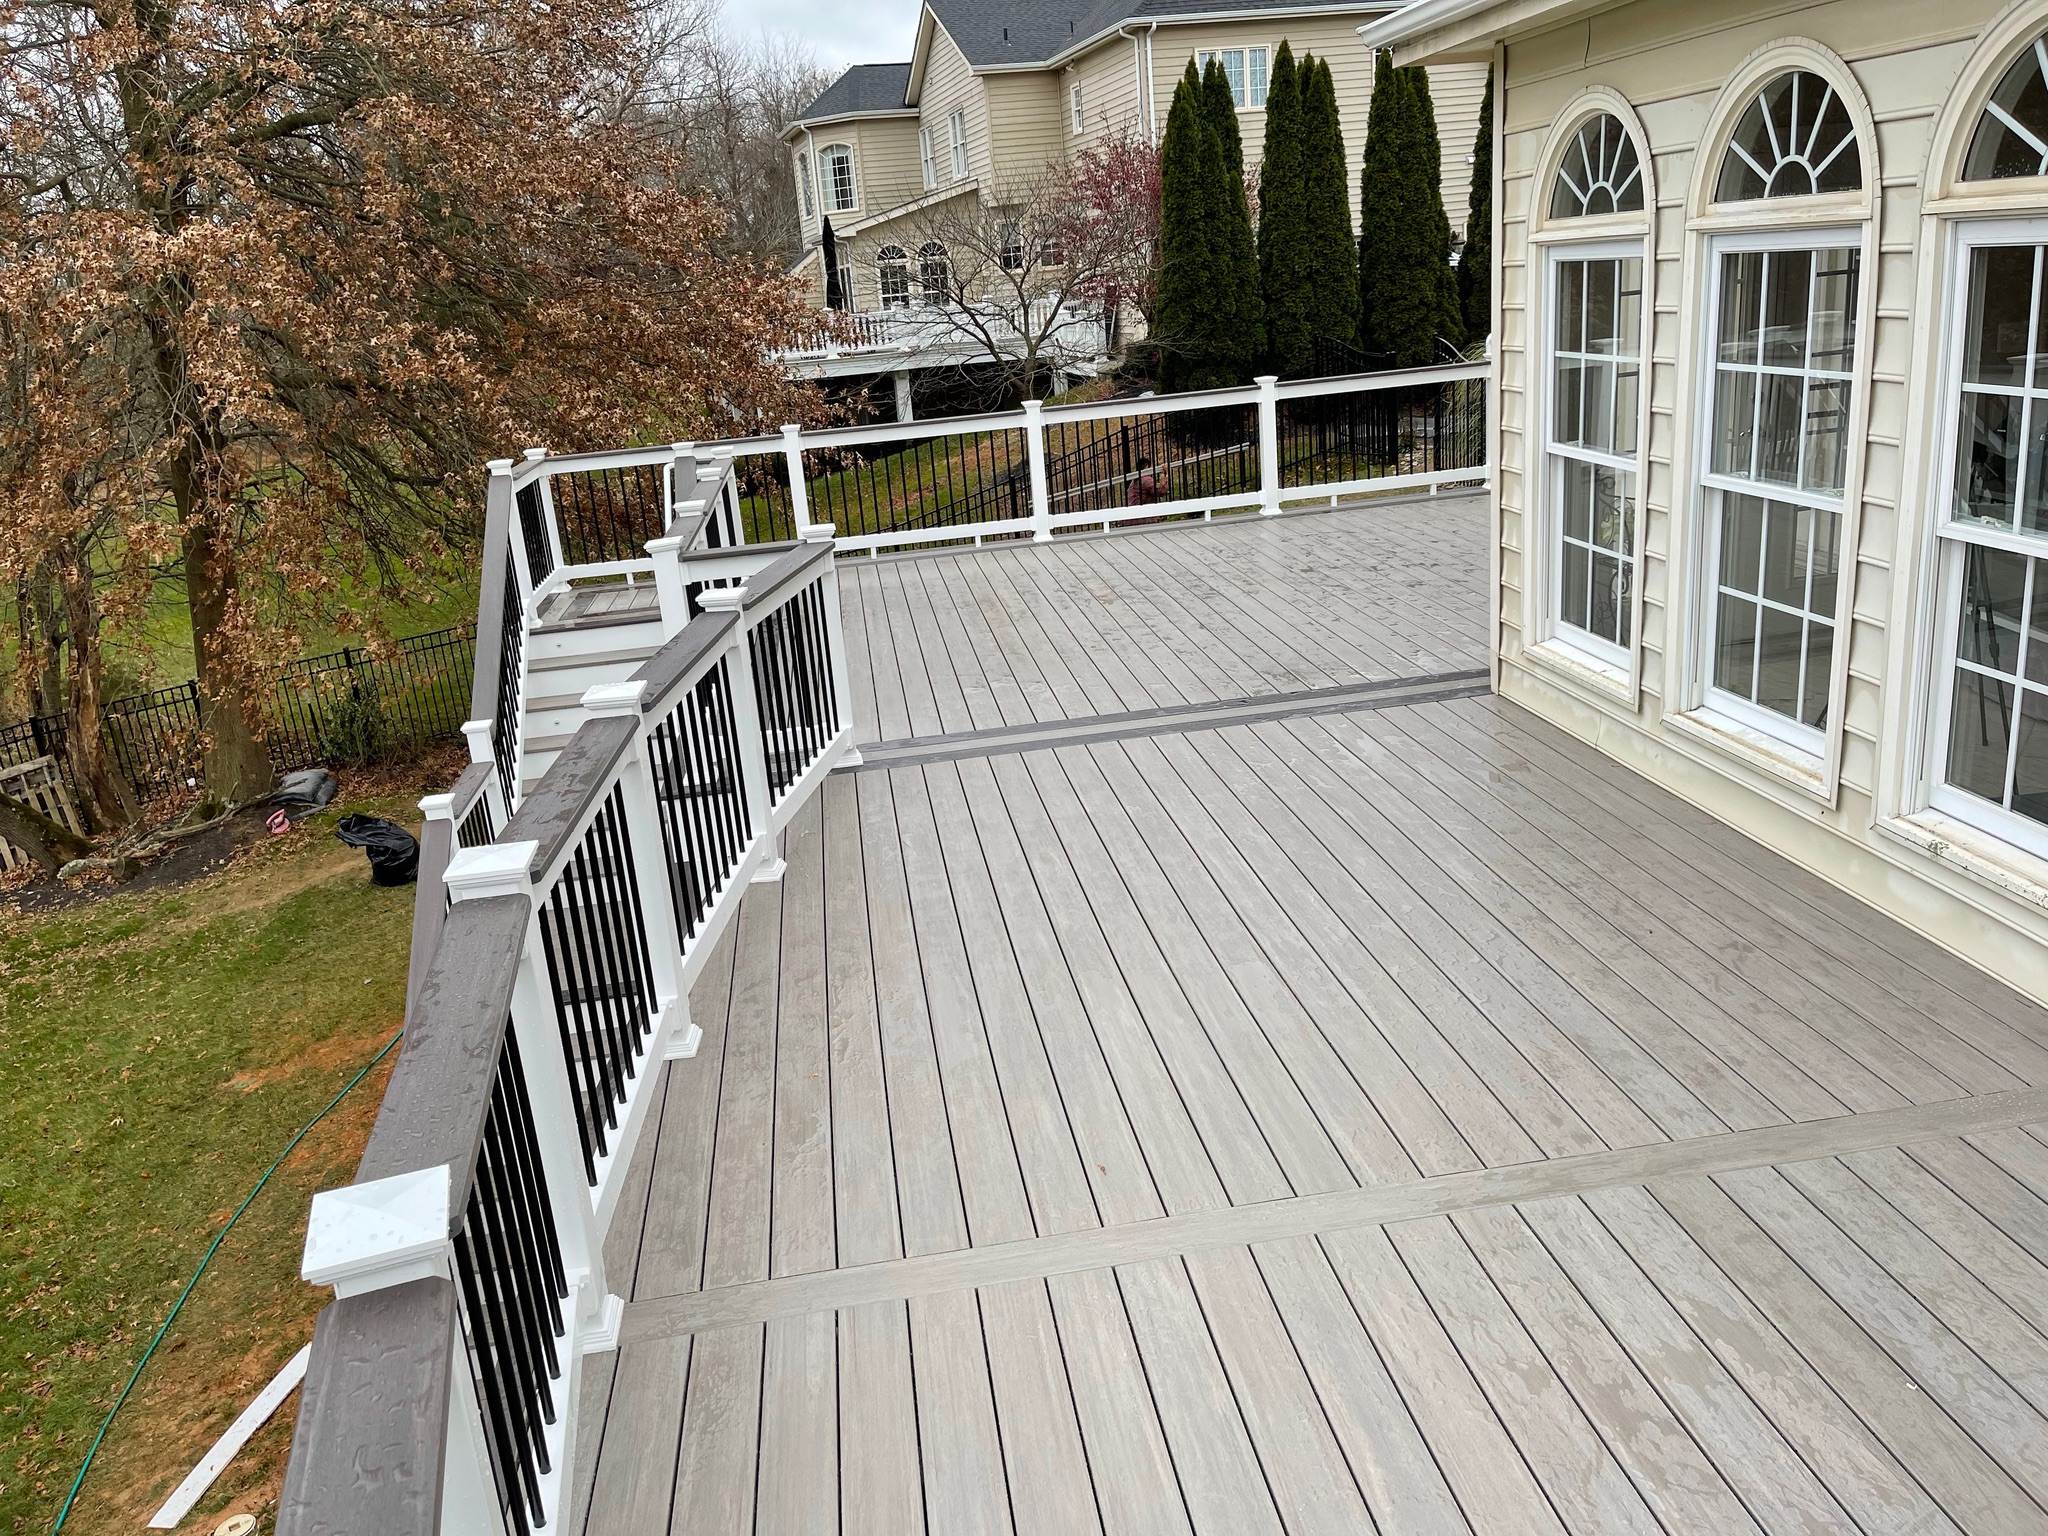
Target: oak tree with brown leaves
x: 277, y: 275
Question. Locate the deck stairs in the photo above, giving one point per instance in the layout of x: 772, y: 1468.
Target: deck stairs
x: 587, y: 636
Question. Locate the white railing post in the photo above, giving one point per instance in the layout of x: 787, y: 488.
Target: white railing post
x: 506, y: 869
x: 674, y: 1035
x: 1269, y: 444
x: 670, y: 585
x: 799, y: 492
x: 1034, y: 452
x: 752, y: 746
x: 835, y: 641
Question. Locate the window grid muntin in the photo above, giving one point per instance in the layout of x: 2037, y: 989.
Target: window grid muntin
x: 1810, y: 693
x: 927, y: 160
x: 2025, y: 683
x: 1080, y: 122
x: 892, y: 276
x: 1617, y: 158
x: 1247, y: 69
x: 1982, y: 161
x: 2030, y: 392
x: 1962, y: 540
x: 1569, y: 458
x: 1805, y: 505
x: 956, y: 135
x: 1728, y: 186
x: 836, y: 173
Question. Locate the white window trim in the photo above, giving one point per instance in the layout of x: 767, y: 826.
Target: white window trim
x: 827, y: 190
x: 927, y: 160
x: 1075, y: 115
x: 1614, y: 667
x: 956, y: 142
x: 1807, y: 757
x: 1203, y: 55
x: 1949, y: 539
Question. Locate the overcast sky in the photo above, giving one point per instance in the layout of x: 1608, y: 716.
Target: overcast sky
x: 839, y: 32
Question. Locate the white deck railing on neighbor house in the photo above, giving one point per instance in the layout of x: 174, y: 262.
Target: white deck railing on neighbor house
x: 953, y: 335
x: 558, y: 926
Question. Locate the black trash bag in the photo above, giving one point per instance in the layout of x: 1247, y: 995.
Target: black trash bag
x: 394, y: 852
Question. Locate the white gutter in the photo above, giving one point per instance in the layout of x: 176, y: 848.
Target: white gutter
x: 1417, y: 18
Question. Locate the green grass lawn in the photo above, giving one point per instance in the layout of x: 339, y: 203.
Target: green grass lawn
x: 157, y: 1051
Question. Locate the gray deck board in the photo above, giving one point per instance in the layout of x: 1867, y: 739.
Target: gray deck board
x: 1330, y: 1123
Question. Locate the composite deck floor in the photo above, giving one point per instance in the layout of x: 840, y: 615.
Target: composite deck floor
x: 1386, y: 1114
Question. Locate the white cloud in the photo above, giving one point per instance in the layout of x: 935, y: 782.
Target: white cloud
x: 839, y: 32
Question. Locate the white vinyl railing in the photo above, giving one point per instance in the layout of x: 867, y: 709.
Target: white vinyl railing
x: 554, y: 951
x: 988, y: 331
x: 1046, y: 469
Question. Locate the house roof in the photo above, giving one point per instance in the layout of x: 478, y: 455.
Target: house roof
x: 998, y: 33
x: 865, y: 90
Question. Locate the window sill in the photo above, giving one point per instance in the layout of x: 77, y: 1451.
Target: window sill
x: 1983, y: 857
x: 1779, y: 760
x: 1606, y: 679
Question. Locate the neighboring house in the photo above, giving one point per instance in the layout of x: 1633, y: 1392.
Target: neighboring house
x: 994, y: 92
x: 1772, y: 501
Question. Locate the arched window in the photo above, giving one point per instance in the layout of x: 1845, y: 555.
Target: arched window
x: 892, y: 267
x: 835, y: 170
x: 1600, y: 173
x: 934, y: 272
x: 1795, y: 139
x: 2012, y: 135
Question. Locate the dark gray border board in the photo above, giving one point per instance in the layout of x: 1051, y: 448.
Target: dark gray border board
x: 1171, y: 719
x: 1305, y: 1215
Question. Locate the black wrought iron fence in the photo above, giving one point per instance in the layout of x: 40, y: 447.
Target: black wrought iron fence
x: 767, y: 512
x: 348, y: 706
x: 932, y: 482
x: 1376, y: 434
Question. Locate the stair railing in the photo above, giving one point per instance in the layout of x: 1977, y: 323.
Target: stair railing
x: 554, y: 959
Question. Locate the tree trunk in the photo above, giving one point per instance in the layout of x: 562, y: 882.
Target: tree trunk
x: 109, y: 801
x: 41, y: 627
x: 237, y: 768
x: 50, y: 844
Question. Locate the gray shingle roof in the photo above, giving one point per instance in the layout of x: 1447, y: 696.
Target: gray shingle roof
x: 996, y: 32
x: 863, y: 88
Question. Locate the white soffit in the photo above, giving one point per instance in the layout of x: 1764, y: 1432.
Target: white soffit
x: 1446, y: 31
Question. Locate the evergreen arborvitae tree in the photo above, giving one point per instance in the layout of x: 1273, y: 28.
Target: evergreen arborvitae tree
x: 1211, y: 320
x: 1220, y: 108
x: 1326, y: 197
x: 1284, y: 248
x: 1408, y: 293
x: 1450, y: 319
x: 1475, y: 267
x: 1187, y: 248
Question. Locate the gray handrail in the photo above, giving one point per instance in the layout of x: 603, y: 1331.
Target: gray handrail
x: 369, y: 1450
x: 554, y: 810
x: 791, y: 569
x: 440, y: 1091
x: 673, y: 665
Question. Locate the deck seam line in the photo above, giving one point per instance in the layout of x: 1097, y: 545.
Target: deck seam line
x: 1305, y: 1215
x: 1177, y: 719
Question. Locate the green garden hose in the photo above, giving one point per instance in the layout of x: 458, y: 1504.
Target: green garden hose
x: 136, y: 1375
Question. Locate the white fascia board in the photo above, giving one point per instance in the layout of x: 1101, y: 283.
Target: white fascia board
x: 920, y: 53
x: 812, y: 124
x: 1443, y: 31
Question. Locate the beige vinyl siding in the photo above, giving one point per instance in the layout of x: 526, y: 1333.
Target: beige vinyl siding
x: 891, y: 173
x: 1456, y: 89
x: 1108, y: 75
x: 1670, y: 64
x: 1026, y: 109
x: 951, y: 85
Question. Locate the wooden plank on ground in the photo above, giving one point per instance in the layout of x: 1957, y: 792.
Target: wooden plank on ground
x: 880, y: 1480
